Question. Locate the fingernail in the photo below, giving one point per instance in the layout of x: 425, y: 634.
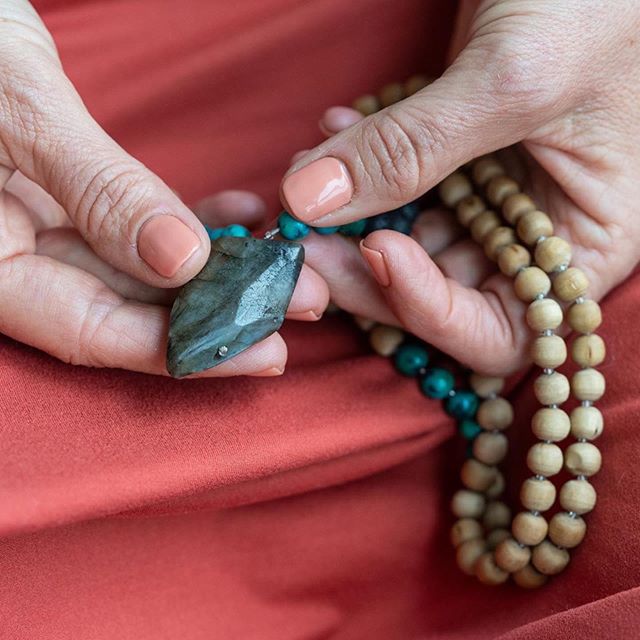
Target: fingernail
x: 268, y: 373
x: 166, y: 243
x: 375, y: 260
x: 308, y: 316
x: 318, y: 189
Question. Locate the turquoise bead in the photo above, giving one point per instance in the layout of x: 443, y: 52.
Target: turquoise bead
x: 463, y: 404
x: 468, y: 429
x: 410, y: 359
x: 326, y: 231
x: 213, y: 234
x: 236, y: 231
x: 292, y: 229
x: 437, y: 383
x: 355, y: 228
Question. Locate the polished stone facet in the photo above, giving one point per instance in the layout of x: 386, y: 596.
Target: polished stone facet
x: 239, y: 298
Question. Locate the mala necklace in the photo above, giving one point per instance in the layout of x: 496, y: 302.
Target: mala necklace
x: 489, y: 543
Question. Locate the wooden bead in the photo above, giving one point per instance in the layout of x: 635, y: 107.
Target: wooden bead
x: 566, y: 531
x: 497, y: 515
x: 454, y: 188
x: 465, y: 529
x: 570, y: 284
x: 483, y: 224
x: 551, y: 389
x: 586, y: 422
x: 588, y: 351
x: 552, y: 253
x: 477, y: 476
x: 391, y: 93
x: 499, y: 188
x: 545, y: 459
x: 550, y: 424
x: 549, y: 559
x: 537, y: 495
x: 364, y: 323
x: 544, y: 314
x: 548, y: 351
x: 468, y: 553
x: 588, y: 384
x: 585, y: 317
x: 385, y: 339
x: 533, y: 225
x: 497, y: 488
x: 467, y: 504
x: 486, y: 386
x: 494, y: 413
x: 488, y: 572
x: 484, y: 169
x: 531, y: 283
x: 529, y: 529
x: 469, y: 208
x: 495, y: 537
x: 578, y: 496
x: 497, y: 240
x: 582, y: 459
x: 510, y: 556
x: 512, y: 259
x: 367, y: 105
x: 529, y: 578
x: 490, y: 448
x: 415, y: 84
x: 515, y: 206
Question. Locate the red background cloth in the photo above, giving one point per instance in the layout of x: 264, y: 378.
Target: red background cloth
x: 311, y: 506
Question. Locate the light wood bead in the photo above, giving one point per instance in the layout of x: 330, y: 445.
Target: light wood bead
x: 570, y: 284
x: 497, y: 515
x: 549, y: 559
x: 385, y: 339
x: 454, y: 188
x: 552, y: 253
x: 465, y: 529
x: 530, y: 283
x: 488, y: 572
x: 510, y: 556
x: 537, y: 495
x: 582, y: 459
x: 551, y: 389
x: 544, y: 314
x: 483, y: 224
x: 585, y: 317
x: 512, y: 259
x: 467, y: 504
x: 495, y: 413
x: 548, y: 352
x: 545, y: 459
x: 469, y: 208
x: 566, y: 531
x: 484, y: 169
x: 486, y: 386
x: 550, y: 424
x: 365, y: 324
x: 497, y: 240
x: 367, y: 104
x: 529, y: 578
x: 497, y: 488
x: 534, y: 225
x: 415, y: 84
x: 391, y: 93
x: 490, y: 448
x: 477, y: 476
x: 495, y: 537
x: 588, y: 384
x: 588, y: 351
x: 578, y: 496
x: 586, y: 422
x: 515, y: 206
x: 529, y: 529
x: 468, y: 553
x: 500, y: 188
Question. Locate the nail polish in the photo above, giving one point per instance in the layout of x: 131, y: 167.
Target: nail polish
x: 305, y: 316
x: 377, y: 264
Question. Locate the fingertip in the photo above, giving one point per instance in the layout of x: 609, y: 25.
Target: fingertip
x: 310, y: 297
x: 232, y: 206
x: 336, y: 119
x: 298, y: 155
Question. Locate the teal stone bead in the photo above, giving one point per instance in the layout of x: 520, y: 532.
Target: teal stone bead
x: 326, y: 231
x: 437, y: 383
x: 292, y: 229
x: 355, y: 228
x: 213, y: 234
x: 463, y: 404
x: 468, y: 429
x: 410, y: 359
x: 236, y: 231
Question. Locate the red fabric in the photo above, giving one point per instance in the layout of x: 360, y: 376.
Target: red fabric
x: 311, y: 506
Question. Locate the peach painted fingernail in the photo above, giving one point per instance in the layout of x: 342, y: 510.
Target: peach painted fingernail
x: 375, y: 260
x: 305, y: 316
x: 268, y: 373
x: 166, y: 243
x: 317, y: 189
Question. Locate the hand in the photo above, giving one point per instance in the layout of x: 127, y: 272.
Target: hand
x: 92, y: 244
x: 561, y: 79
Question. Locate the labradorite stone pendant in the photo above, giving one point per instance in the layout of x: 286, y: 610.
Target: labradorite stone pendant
x: 238, y: 299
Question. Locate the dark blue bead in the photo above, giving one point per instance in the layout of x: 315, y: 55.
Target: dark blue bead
x: 326, y: 231
x: 437, y: 383
x: 410, y: 359
x: 355, y: 228
x: 290, y: 228
x: 213, y: 234
x: 468, y: 429
x: 236, y: 231
x: 463, y: 404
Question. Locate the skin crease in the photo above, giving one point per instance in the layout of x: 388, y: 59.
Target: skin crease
x: 68, y: 255
x: 562, y: 80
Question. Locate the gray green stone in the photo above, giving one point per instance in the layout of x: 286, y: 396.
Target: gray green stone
x: 238, y: 299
